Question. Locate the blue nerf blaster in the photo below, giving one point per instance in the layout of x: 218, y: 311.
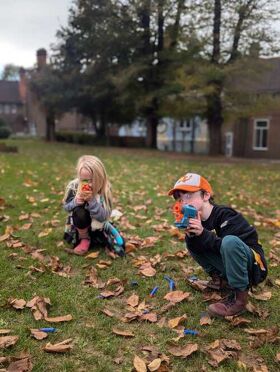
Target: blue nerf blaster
x: 183, y: 213
x: 116, y: 241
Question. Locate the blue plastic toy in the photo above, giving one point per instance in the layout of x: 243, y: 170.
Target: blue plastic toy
x: 183, y: 214
x: 154, y: 291
x: 190, y: 332
x: 172, y: 285
x: 48, y: 330
x: 115, y: 239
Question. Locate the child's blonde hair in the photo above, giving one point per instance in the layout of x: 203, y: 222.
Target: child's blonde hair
x: 100, y: 181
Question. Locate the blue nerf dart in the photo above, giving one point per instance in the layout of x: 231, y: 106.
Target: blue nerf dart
x: 190, y: 332
x: 48, y: 330
x: 172, y: 285
x: 154, y: 291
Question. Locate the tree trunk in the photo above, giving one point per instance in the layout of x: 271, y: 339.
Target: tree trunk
x: 215, y: 121
x: 50, y: 130
x: 151, y: 136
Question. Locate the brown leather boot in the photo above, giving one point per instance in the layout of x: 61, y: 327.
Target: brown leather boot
x: 235, y: 304
x: 217, y: 283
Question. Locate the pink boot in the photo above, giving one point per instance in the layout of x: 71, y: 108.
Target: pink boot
x: 83, y: 247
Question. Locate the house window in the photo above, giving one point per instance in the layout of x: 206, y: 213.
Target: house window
x: 13, y: 109
x: 7, y: 109
x: 260, y: 138
x: 185, y: 125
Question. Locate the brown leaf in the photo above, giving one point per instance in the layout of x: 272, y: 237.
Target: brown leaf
x: 39, y: 335
x: 93, y: 255
x: 7, y: 341
x: 147, y: 270
x: 57, y: 319
x: 60, y: 347
x: 176, y: 296
x: 139, y: 364
x: 108, y: 312
x: 173, y: 323
x: 183, y: 351
x: 252, y: 363
x: 263, y: 314
x: 17, y: 304
x: 21, y: 365
x: 123, y: 333
x: 264, y: 296
x: 205, y: 320
x: 4, y: 331
x: 39, y: 307
x: 237, y: 320
x: 277, y: 358
x: 150, y: 317
x: 133, y: 300
x: 4, y: 237
x: 154, y: 365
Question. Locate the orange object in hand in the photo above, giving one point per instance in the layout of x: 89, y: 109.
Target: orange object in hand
x: 177, y: 211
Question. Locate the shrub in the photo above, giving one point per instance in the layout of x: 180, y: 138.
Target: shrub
x: 5, y: 131
x: 79, y: 138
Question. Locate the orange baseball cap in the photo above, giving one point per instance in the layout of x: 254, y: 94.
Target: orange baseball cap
x: 191, y: 182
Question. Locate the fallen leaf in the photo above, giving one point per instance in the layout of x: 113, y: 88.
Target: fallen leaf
x: 93, y: 255
x: 23, y: 364
x: 237, y: 320
x: 150, y: 317
x: 176, y: 296
x: 4, y: 237
x: 60, y: 347
x: 183, y: 351
x: 38, y: 306
x: 173, y: 323
x: 123, y: 333
x: 147, y: 270
x: 17, y: 304
x: 264, y: 296
x: 139, y: 364
x: 57, y: 319
x: 4, y: 331
x: 39, y: 335
x: 205, y: 320
x: 154, y: 365
x: 133, y: 300
x: 7, y: 341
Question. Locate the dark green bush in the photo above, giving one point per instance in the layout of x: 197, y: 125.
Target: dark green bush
x: 79, y: 138
x: 5, y: 131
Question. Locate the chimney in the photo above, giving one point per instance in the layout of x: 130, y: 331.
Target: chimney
x: 22, y: 85
x: 41, y: 58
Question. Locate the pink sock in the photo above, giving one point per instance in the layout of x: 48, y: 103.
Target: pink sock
x: 83, y: 247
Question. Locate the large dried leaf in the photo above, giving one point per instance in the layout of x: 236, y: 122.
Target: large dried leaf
x: 58, y: 319
x: 7, y: 341
x: 133, y: 300
x: 5, y: 331
x: 61, y: 347
x: 263, y: 314
x: 183, y: 351
x: 147, y: 270
x: 176, y: 296
x: 154, y: 365
x: 39, y: 335
x: 93, y: 255
x: 150, y: 317
x: 252, y: 362
x: 264, y: 296
x: 39, y: 307
x: 17, y: 304
x: 173, y: 323
x: 23, y: 364
x: 139, y: 364
x: 121, y: 332
x: 205, y: 320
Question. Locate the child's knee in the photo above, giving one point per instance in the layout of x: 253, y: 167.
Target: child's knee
x: 230, y: 243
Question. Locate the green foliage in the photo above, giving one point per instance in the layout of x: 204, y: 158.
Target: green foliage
x: 79, y: 138
x: 10, y: 72
x: 5, y: 131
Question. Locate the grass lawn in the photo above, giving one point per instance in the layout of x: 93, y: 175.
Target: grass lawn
x: 32, y: 184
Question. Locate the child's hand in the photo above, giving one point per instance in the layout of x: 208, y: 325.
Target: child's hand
x: 79, y: 200
x: 87, y: 195
x: 195, y: 227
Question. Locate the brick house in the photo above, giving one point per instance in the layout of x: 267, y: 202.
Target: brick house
x: 12, y: 108
x: 258, y: 136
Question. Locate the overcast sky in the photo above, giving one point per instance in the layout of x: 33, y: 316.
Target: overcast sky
x: 27, y: 25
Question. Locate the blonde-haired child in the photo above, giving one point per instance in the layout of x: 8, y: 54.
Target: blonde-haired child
x: 88, y: 199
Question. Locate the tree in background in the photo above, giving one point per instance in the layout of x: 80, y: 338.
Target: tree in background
x: 10, y: 72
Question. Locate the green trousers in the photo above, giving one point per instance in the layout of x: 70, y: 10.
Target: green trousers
x: 234, y: 262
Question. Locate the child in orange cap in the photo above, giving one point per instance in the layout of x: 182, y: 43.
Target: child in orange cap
x: 223, y: 242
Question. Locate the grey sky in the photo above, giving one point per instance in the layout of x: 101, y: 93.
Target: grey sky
x: 27, y: 25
